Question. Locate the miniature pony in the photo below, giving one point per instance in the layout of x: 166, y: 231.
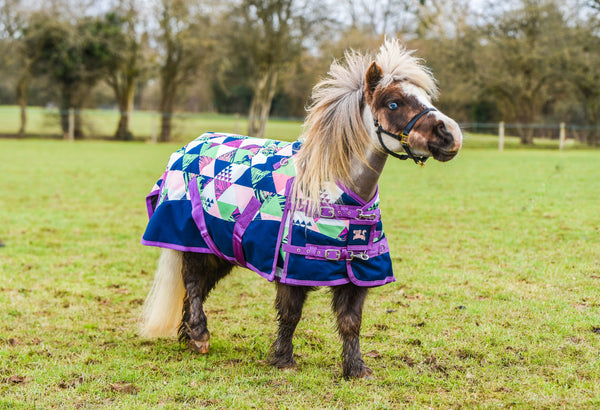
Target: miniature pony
x: 302, y: 214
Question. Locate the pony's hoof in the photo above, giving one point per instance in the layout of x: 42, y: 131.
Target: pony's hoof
x: 360, y: 373
x: 199, y: 346
x: 286, y: 365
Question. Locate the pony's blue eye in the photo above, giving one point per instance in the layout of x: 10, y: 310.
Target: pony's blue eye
x: 392, y: 106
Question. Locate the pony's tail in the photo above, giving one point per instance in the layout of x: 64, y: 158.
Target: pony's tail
x: 164, y: 305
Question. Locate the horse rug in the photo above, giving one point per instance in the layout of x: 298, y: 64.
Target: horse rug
x: 228, y: 195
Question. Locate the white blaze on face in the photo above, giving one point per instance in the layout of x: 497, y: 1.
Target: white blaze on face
x: 416, y: 140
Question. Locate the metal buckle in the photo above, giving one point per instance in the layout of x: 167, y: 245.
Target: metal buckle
x: 361, y: 255
x: 369, y: 217
x: 330, y: 209
x: 338, y: 254
x: 404, y: 138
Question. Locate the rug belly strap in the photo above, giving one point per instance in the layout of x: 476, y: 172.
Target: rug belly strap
x: 340, y: 253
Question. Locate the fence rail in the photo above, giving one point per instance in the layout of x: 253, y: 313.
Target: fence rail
x: 102, y: 123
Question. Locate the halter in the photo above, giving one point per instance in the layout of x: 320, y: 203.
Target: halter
x: 403, y: 138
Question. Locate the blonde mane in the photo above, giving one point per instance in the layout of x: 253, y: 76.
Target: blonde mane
x: 334, y: 129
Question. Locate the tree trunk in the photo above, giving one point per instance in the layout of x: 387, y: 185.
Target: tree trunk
x: 526, y: 135
x: 166, y: 114
x: 22, y: 86
x: 64, y: 121
x: 264, y: 91
x: 255, y: 109
x: 125, y: 110
x: 78, y: 124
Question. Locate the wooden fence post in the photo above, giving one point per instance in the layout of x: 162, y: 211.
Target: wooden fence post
x: 562, y: 136
x: 501, y: 136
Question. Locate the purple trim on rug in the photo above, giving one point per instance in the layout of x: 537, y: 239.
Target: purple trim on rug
x: 198, y: 216
x: 354, y: 195
x: 365, y: 283
x: 299, y: 282
x: 351, y: 193
x: 149, y: 197
x: 240, y: 227
x: 175, y: 247
x: 286, y: 211
x: 262, y: 274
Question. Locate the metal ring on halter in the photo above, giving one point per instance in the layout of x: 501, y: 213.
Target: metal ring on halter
x: 403, y: 138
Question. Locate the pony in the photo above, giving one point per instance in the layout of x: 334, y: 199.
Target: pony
x: 301, y: 214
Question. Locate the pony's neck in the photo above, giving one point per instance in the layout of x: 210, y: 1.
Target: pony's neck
x: 366, y: 176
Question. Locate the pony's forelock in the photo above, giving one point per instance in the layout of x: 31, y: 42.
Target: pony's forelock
x: 399, y: 64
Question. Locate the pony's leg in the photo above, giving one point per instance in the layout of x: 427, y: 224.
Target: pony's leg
x: 348, y: 301
x: 289, y: 303
x: 201, y: 272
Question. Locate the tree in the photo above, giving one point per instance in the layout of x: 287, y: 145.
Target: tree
x: 378, y: 17
x: 522, y: 65
x: 184, y: 45
x: 265, y: 37
x: 125, y: 62
x: 448, y: 42
x: 25, y: 43
x: 582, y: 72
x: 74, y: 57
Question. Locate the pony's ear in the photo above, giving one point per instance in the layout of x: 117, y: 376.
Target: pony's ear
x: 372, y: 78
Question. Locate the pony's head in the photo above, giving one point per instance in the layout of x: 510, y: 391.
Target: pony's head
x: 398, y: 91
x: 368, y: 104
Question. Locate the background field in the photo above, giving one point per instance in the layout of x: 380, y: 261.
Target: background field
x: 496, y: 255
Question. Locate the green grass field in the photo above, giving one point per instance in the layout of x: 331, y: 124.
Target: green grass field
x: 496, y: 304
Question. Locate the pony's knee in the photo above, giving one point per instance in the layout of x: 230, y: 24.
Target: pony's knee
x: 349, y: 323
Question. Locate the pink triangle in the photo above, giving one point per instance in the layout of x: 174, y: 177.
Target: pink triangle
x: 234, y: 143
x: 280, y: 181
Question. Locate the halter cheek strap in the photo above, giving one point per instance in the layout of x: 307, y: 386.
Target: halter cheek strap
x: 403, y: 138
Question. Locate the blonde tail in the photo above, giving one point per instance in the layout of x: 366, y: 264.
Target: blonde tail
x: 163, y: 307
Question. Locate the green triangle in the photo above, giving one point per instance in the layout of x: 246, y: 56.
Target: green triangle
x: 273, y: 205
x: 226, y: 210
x: 209, y: 151
x: 242, y: 156
x: 288, y: 169
x: 333, y: 231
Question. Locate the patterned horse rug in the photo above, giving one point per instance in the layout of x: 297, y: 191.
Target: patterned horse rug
x: 229, y: 195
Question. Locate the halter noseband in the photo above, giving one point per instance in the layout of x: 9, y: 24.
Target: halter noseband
x: 403, y: 138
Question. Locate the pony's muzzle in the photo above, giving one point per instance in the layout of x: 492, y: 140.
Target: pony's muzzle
x: 448, y: 140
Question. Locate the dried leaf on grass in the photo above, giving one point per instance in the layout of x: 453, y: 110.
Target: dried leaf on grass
x: 16, y: 379
x: 124, y: 387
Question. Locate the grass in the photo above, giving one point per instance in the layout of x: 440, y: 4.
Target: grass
x: 496, y: 304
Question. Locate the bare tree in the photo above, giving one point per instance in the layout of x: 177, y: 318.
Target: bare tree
x: 127, y: 41
x: 25, y: 44
x: 183, y: 44
x: 266, y: 37
x: 378, y: 17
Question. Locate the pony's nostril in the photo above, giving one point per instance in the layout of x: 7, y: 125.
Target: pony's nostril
x: 442, y: 133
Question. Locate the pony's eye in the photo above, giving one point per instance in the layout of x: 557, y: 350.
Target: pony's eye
x: 393, y: 106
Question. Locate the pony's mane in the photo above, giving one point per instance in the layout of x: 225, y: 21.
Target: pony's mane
x: 334, y: 129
